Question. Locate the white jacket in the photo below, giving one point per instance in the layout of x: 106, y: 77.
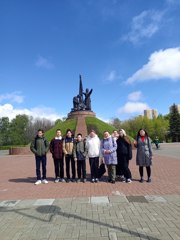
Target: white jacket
x: 93, y: 146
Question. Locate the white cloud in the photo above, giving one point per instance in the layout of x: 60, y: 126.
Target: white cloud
x: 135, y: 96
x: 162, y: 64
x: 13, y: 97
x: 145, y: 25
x: 133, y: 107
x: 7, y: 110
x: 112, y: 76
x: 44, y: 63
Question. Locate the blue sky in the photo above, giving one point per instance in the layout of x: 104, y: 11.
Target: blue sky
x: 128, y: 51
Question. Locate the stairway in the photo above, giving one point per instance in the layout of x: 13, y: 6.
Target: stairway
x: 81, y: 126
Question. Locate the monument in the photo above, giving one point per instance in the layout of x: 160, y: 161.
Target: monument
x: 82, y: 103
x: 81, y: 109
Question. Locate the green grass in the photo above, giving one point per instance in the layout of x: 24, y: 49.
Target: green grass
x: 68, y: 124
x: 98, y: 125
x: 10, y: 146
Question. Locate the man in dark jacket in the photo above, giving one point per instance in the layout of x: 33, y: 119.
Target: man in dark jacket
x: 79, y: 154
x: 40, y: 147
x: 56, y: 148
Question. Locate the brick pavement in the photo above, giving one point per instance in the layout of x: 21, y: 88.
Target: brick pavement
x: 89, y: 211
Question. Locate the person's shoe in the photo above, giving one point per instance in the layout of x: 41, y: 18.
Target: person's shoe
x: 68, y: 180
x: 113, y: 181
x: 73, y: 180
x: 37, y: 182
x: 96, y: 180
x: 62, y: 180
x: 149, y: 180
x: 141, y: 180
x: 44, y: 181
x: 123, y: 179
x: 109, y: 180
x: 129, y: 180
x: 56, y: 180
x: 84, y: 180
x: 78, y: 180
x: 92, y: 180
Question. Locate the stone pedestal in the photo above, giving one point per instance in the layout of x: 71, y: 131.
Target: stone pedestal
x: 77, y: 114
x: 81, y: 123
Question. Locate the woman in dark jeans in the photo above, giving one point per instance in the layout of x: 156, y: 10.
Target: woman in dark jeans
x: 123, y: 153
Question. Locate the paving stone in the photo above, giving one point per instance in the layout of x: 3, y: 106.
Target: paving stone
x: 9, y: 203
x: 43, y: 202
x: 99, y: 200
x: 155, y: 199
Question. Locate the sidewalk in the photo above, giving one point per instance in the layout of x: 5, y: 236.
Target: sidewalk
x: 89, y: 211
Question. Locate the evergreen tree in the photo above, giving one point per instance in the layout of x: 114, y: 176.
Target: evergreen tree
x: 174, y: 123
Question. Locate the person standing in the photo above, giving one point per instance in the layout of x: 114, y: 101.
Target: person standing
x: 68, y: 144
x: 79, y: 154
x: 123, y: 152
x: 144, y: 154
x: 108, y: 150
x: 93, y: 152
x: 56, y: 148
x: 40, y: 146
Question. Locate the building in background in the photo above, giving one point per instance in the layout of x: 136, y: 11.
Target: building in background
x: 150, y: 113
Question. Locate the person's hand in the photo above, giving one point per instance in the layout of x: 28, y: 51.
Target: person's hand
x: 75, y: 159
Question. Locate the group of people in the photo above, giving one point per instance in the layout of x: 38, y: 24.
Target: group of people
x: 114, y: 150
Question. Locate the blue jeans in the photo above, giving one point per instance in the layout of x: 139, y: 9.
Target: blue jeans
x: 40, y: 160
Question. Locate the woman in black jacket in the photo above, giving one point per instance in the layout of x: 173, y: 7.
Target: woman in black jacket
x: 124, y: 154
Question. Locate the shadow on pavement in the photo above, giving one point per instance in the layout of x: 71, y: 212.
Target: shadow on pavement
x: 27, y: 180
x: 55, y: 211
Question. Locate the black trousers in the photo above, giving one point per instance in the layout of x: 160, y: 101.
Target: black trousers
x: 59, y: 167
x: 148, y: 170
x: 70, y: 159
x: 94, y: 164
x: 40, y: 160
x: 123, y: 167
x: 81, y: 168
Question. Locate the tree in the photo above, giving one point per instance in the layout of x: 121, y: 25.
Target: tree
x: 4, y: 131
x: 174, y: 123
x: 18, y: 129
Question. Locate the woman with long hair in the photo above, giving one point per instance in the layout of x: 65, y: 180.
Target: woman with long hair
x: 144, y: 154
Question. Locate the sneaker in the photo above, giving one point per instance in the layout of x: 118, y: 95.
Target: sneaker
x: 123, y: 179
x: 73, y: 180
x: 96, y: 180
x: 68, y: 180
x: 109, y: 180
x: 44, y: 181
x: 78, y: 180
x: 37, y: 182
x: 92, y: 180
x: 84, y: 180
x: 141, y: 180
x: 62, y: 180
x: 56, y: 180
x: 129, y: 180
x: 113, y: 181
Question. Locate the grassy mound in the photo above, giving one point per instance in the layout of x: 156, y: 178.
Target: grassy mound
x: 68, y: 124
x: 98, y: 125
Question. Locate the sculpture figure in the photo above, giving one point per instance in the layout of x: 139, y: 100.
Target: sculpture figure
x: 87, y: 100
x: 81, y: 103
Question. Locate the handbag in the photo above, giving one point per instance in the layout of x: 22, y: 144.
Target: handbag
x: 101, y: 170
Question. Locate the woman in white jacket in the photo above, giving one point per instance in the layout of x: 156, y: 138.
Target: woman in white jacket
x: 93, y: 152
